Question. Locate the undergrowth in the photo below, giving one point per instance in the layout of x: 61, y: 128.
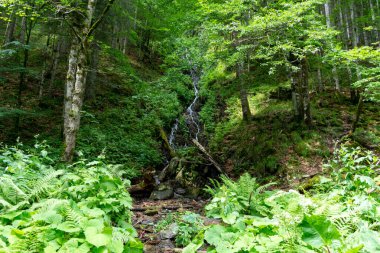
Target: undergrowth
x: 339, y: 213
x: 47, y: 207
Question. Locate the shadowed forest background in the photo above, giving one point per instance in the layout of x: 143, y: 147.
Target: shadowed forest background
x: 262, y: 105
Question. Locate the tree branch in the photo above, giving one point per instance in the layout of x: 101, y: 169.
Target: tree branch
x: 101, y: 17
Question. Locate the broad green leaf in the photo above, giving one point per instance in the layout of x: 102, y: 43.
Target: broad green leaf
x: 69, y: 227
x: 116, y: 246
x: 318, y: 231
x: 98, y: 239
x: 213, y: 234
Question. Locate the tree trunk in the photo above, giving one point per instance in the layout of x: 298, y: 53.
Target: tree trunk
x: 305, y: 92
x: 92, y: 74
x: 300, y: 92
x: 55, y: 61
x: 243, y: 95
x: 10, y: 30
x: 355, y: 37
x: 329, y: 25
x: 74, y: 91
x: 359, y: 110
x: 375, y: 22
x: 45, y: 69
x: 26, y: 33
x: 320, y: 81
x: 75, y: 83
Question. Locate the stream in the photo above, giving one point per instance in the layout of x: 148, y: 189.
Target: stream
x: 191, y: 115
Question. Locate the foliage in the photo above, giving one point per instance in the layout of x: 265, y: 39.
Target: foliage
x: 187, y: 225
x: 46, y: 207
x: 340, y: 213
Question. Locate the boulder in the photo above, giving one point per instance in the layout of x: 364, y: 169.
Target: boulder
x: 163, y: 192
x: 170, y: 232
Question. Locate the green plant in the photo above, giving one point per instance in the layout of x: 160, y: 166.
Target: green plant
x: 339, y: 215
x: 189, y: 226
x: 80, y: 208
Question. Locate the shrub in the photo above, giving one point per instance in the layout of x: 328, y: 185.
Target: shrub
x: 341, y: 214
x: 47, y: 207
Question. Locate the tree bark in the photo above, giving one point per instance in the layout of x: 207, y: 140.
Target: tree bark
x: 92, y: 74
x: 75, y: 87
x: 25, y: 35
x: 329, y: 25
x: 55, y: 61
x: 75, y: 84
x: 76, y: 76
x: 11, y: 26
x: 359, y: 110
x: 247, y: 115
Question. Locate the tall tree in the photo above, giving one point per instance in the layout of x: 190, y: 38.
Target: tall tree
x: 83, y: 25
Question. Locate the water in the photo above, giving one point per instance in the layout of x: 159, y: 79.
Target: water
x: 173, y: 133
x: 192, y: 119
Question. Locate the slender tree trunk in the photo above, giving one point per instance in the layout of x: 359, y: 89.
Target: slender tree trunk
x: 365, y: 34
x: 320, y: 81
x: 374, y: 21
x: 359, y: 110
x: 23, y: 30
x: 45, y: 69
x: 329, y: 25
x: 11, y: 26
x: 91, y: 78
x: 55, y: 61
x: 247, y: 115
x: 305, y: 92
x: 25, y: 34
x: 355, y: 37
x: 300, y: 91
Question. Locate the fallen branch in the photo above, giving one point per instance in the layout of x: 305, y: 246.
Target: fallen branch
x: 209, y: 157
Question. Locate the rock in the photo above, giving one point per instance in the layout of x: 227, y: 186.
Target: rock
x: 177, y: 196
x: 165, y: 245
x: 148, y: 220
x: 151, y: 212
x: 193, y: 192
x: 180, y: 191
x: 163, y: 192
x: 210, y: 221
x: 170, y: 232
x: 150, y: 248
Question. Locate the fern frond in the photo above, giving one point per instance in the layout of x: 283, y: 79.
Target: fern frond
x: 72, y: 214
x: 121, y: 234
x: 5, y: 203
x: 44, y: 184
x: 10, y: 191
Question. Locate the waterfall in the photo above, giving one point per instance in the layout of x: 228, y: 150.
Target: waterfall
x: 192, y: 117
x: 173, y: 133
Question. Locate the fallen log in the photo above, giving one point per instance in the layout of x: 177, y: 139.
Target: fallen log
x: 209, y: 157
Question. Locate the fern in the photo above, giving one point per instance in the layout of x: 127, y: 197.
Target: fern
x: 10, y: 191
x: 44, y: 184
x: 44, y: 209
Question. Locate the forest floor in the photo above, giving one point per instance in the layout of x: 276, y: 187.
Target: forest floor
x: 148, y: 214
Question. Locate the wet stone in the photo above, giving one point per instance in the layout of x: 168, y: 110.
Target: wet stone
x: 151, y: 212
x: 166, y: 245
x: 180, y: 191
x: 170, y: 232
x: 162, y: 193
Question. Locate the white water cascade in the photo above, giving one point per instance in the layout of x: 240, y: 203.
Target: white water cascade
x: 192, y: 118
